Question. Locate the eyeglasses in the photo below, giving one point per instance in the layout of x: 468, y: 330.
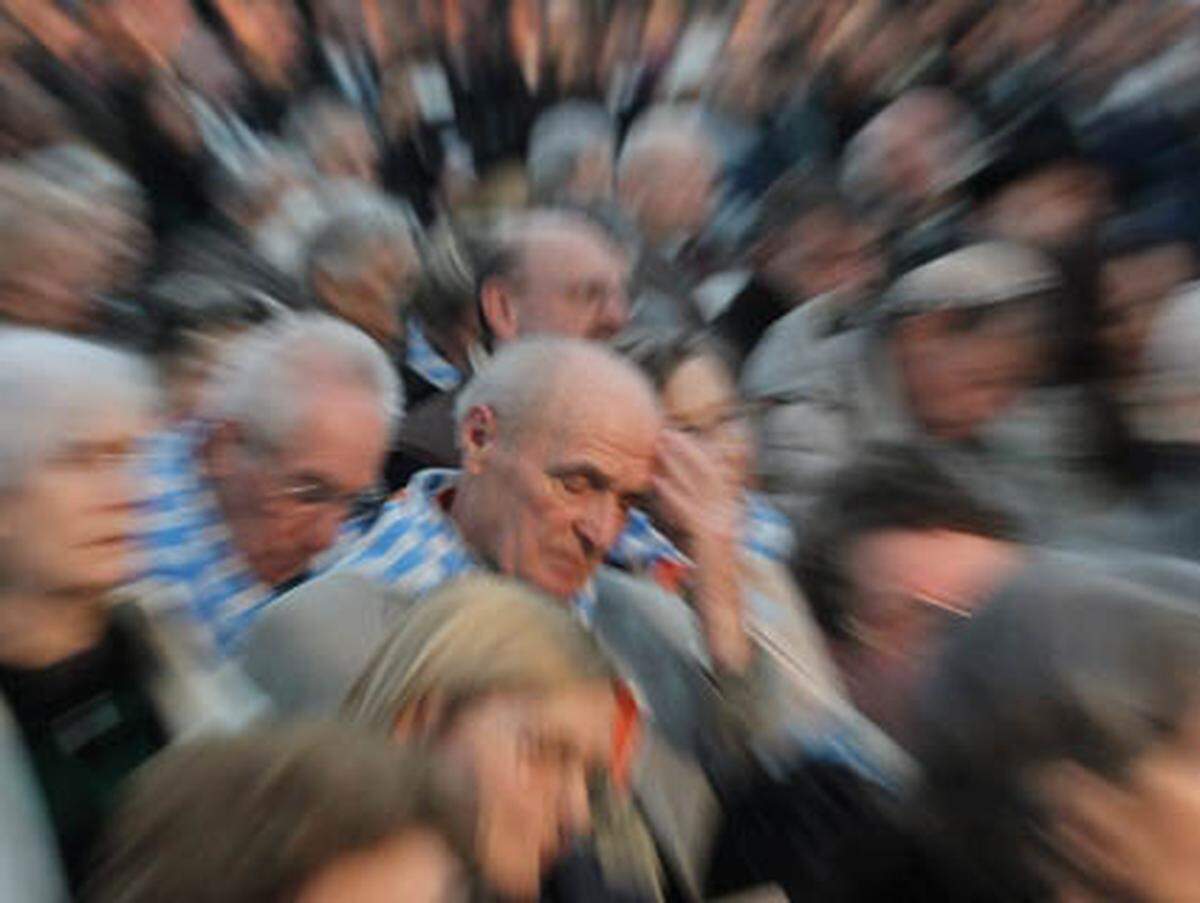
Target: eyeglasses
x: 901, y: 618
x: 309, y: 493
x: 734, y: 418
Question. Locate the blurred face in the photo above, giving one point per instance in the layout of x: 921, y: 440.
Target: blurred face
x: 268, y: 34
x: 824, y: 252
x: 141, y: 32
x: 910, y: 590
x: 552, y: 499
x: 1053, y: 208
x: 700, y: 399
x: 959, y: 379
x: 571, y: 283
x: 917, y: 162
x: 1132, y: 289
x: 52, y: 280
x: 670, y: 193
x: 532, y: 758
x: 416, y: 866
x: 68, y: 528
x: 371, y: 297
x: 592, y: 180
x: 286, y: 506
x: 347, y: 149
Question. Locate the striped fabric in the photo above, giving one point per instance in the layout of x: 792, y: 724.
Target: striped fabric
x: 188, y: 551
x: 415, y: 547
x: 642, y: 549
x: 426, y: 362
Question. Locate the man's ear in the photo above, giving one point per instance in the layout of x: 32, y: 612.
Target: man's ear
x: 499, y: 311
x: 219, y: 447
x: 478, y: 435
x: 420, y: 719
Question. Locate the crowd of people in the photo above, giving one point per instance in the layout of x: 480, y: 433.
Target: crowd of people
x: 599, y: 450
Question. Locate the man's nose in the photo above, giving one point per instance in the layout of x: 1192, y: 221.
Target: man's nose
x: 601, y: 523
x: 323, y: 528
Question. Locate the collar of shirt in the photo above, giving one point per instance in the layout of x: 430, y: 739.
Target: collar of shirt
x: 426, y: 362
x: 189, y: 550
x: 414, y: 546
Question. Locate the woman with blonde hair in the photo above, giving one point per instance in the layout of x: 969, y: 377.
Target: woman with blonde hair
x: 510, y: 687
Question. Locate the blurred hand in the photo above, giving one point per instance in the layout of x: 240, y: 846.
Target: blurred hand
x: 701, y: 511
x: 694, y: 496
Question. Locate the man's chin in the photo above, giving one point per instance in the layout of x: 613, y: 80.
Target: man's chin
x: 560, y: 585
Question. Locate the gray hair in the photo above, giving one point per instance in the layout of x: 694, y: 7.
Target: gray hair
x: 667, y: 128
x: 561, y: 136
x: 87, y: 173
x: 284, y: 239
x: 268, y: 374
x: 48, y: 386
x: 525, y: 377
x: 306, y: 124
x: 505, y: 244
x: 254, y: 180
x: 31, y: 203
x: 339, y: 247
x: 445, y: 294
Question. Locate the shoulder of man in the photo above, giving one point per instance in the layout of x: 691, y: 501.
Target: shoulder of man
x: 309, y: 646
x: 194, y: 689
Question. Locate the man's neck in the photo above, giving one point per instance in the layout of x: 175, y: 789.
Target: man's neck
x: 40, y: 630
x: 459, y: 507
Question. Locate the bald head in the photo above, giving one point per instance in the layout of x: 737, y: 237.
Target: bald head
x: 553, y: 273
x: 558, y: 439
x: 544, y: 382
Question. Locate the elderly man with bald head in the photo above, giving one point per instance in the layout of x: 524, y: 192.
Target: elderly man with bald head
x: 560, y: 438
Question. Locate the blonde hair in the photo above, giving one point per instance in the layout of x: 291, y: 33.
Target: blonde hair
x: 476, y: 637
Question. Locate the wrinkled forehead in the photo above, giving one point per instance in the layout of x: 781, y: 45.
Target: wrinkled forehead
x: 612, y: 428
x: 549, y: 250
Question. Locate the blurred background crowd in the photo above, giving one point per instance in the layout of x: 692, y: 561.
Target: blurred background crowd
x: 599, y: 450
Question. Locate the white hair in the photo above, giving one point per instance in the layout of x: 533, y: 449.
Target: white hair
x: 665, y: 129
x: 50, y: 384
x: 269, y: 373
x: 523, y: 377
x: 254, y: 177
x: 561, y: 136
x: 284, y: 239
x: 79, y: 169
x: 340, y: 246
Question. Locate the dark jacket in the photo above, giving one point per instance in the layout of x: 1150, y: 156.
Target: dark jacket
x: 747, y: 318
